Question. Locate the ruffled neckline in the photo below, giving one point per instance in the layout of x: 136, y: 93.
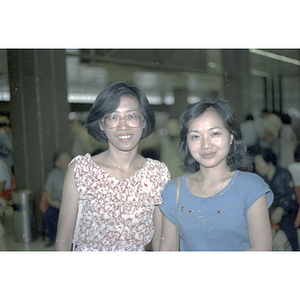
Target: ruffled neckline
x: 89, y: 157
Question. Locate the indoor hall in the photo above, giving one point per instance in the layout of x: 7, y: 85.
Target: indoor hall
x: 43, y: 90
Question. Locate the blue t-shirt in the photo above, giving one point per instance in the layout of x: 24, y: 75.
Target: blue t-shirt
x: 217, y: 222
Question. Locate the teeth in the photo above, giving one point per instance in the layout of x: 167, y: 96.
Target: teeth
x: 124, y: 136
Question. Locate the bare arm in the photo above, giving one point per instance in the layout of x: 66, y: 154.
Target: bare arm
x: 157, y: 227
x: 67, y: 213
x: 168, y: 235
x: 259, y: 228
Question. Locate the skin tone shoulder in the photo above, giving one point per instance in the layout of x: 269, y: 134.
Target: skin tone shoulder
x: 209, y: 144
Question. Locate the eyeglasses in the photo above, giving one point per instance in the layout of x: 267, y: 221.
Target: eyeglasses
x: 133, y: 120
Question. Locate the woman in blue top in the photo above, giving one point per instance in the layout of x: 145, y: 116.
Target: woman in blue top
x: 220, y: 207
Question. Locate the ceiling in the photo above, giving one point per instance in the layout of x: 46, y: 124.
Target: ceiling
x: 159, y: 71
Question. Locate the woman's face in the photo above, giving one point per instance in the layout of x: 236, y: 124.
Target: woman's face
x: 123, y: 136
x: 260, y: 165
x: 209, y: 140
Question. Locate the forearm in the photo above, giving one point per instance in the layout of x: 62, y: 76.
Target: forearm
x: 276, y: 216
x: 64, y: 235
x: 68, y: 213
x: 157, y: 220
x: 168, y: 236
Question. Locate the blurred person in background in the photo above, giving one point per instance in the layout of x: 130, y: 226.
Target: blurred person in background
x: 53, y: 193
x: 271, y: 129
x: 285, y: 207
x: 287, y: 142
x: 5, y: 184
x: 294, y: 168
x: 6, y: 147
x: 249, y: 131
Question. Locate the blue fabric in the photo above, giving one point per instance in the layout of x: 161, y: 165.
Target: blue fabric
x: 54, y: 184
x: 51, y: 219
x: 217, y: 222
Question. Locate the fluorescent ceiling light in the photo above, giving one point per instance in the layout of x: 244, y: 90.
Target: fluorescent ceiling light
x: 276, y: 56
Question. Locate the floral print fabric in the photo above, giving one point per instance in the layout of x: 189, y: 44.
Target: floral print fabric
x: 116, y: 215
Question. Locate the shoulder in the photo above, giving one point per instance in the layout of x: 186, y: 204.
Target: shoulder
x: 252, y: 187
x: 81, y: 158
x: 282, y: 171
x: 156, y: 163
x: 157, y: 166
x: 80, y: 161
x: 250, y: 180
x: 243, y: 175
x: 171, y: 186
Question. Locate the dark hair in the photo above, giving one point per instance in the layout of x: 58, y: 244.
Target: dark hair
x: 297, y: 153
x: 286, y: 119
x: 268, y: 156
x: 237, y: 157
x: 107, y: 102
x: 56, y: 156
x: 249, y: 117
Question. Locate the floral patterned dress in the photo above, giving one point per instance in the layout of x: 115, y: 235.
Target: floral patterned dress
x: 113, y: 214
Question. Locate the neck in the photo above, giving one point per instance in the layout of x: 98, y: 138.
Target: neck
x: 121, y: 160
x: 208, y: 174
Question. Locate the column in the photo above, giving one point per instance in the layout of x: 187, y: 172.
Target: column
x: 39, y: 113
x: 236, y: 76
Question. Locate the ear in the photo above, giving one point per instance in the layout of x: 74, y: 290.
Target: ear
x: 101, y: 126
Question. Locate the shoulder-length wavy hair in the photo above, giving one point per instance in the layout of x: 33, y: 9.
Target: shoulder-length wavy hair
x: 237, y: 157
x: 107, y: 102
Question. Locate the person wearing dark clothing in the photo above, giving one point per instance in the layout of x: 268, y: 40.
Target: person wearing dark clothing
x: 285, y: 207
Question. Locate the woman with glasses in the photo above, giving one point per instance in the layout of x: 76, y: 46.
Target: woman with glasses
x: 110, y: 201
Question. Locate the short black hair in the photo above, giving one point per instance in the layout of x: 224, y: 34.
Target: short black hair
x: 108, y: 100
x: 56, y: 156
x: 286, y: 119
x: 268, y: 155
x: 237, y: 157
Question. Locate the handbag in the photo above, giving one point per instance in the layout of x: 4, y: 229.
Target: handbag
x: 177, y: 198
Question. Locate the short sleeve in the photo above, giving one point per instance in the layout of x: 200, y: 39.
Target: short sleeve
x: 255, y: 187
x: 165, y: 177
x: 169, y: 201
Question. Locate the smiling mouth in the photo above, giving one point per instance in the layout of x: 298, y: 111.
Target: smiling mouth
x: 208, y: 155
x: 123, y: 137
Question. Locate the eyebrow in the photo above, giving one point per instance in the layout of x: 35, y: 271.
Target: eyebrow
x: 126, y: 111
x: 212, y: 128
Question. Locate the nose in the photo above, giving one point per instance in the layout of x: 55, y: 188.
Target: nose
x: 122, y: 124
x: 205, y: 142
